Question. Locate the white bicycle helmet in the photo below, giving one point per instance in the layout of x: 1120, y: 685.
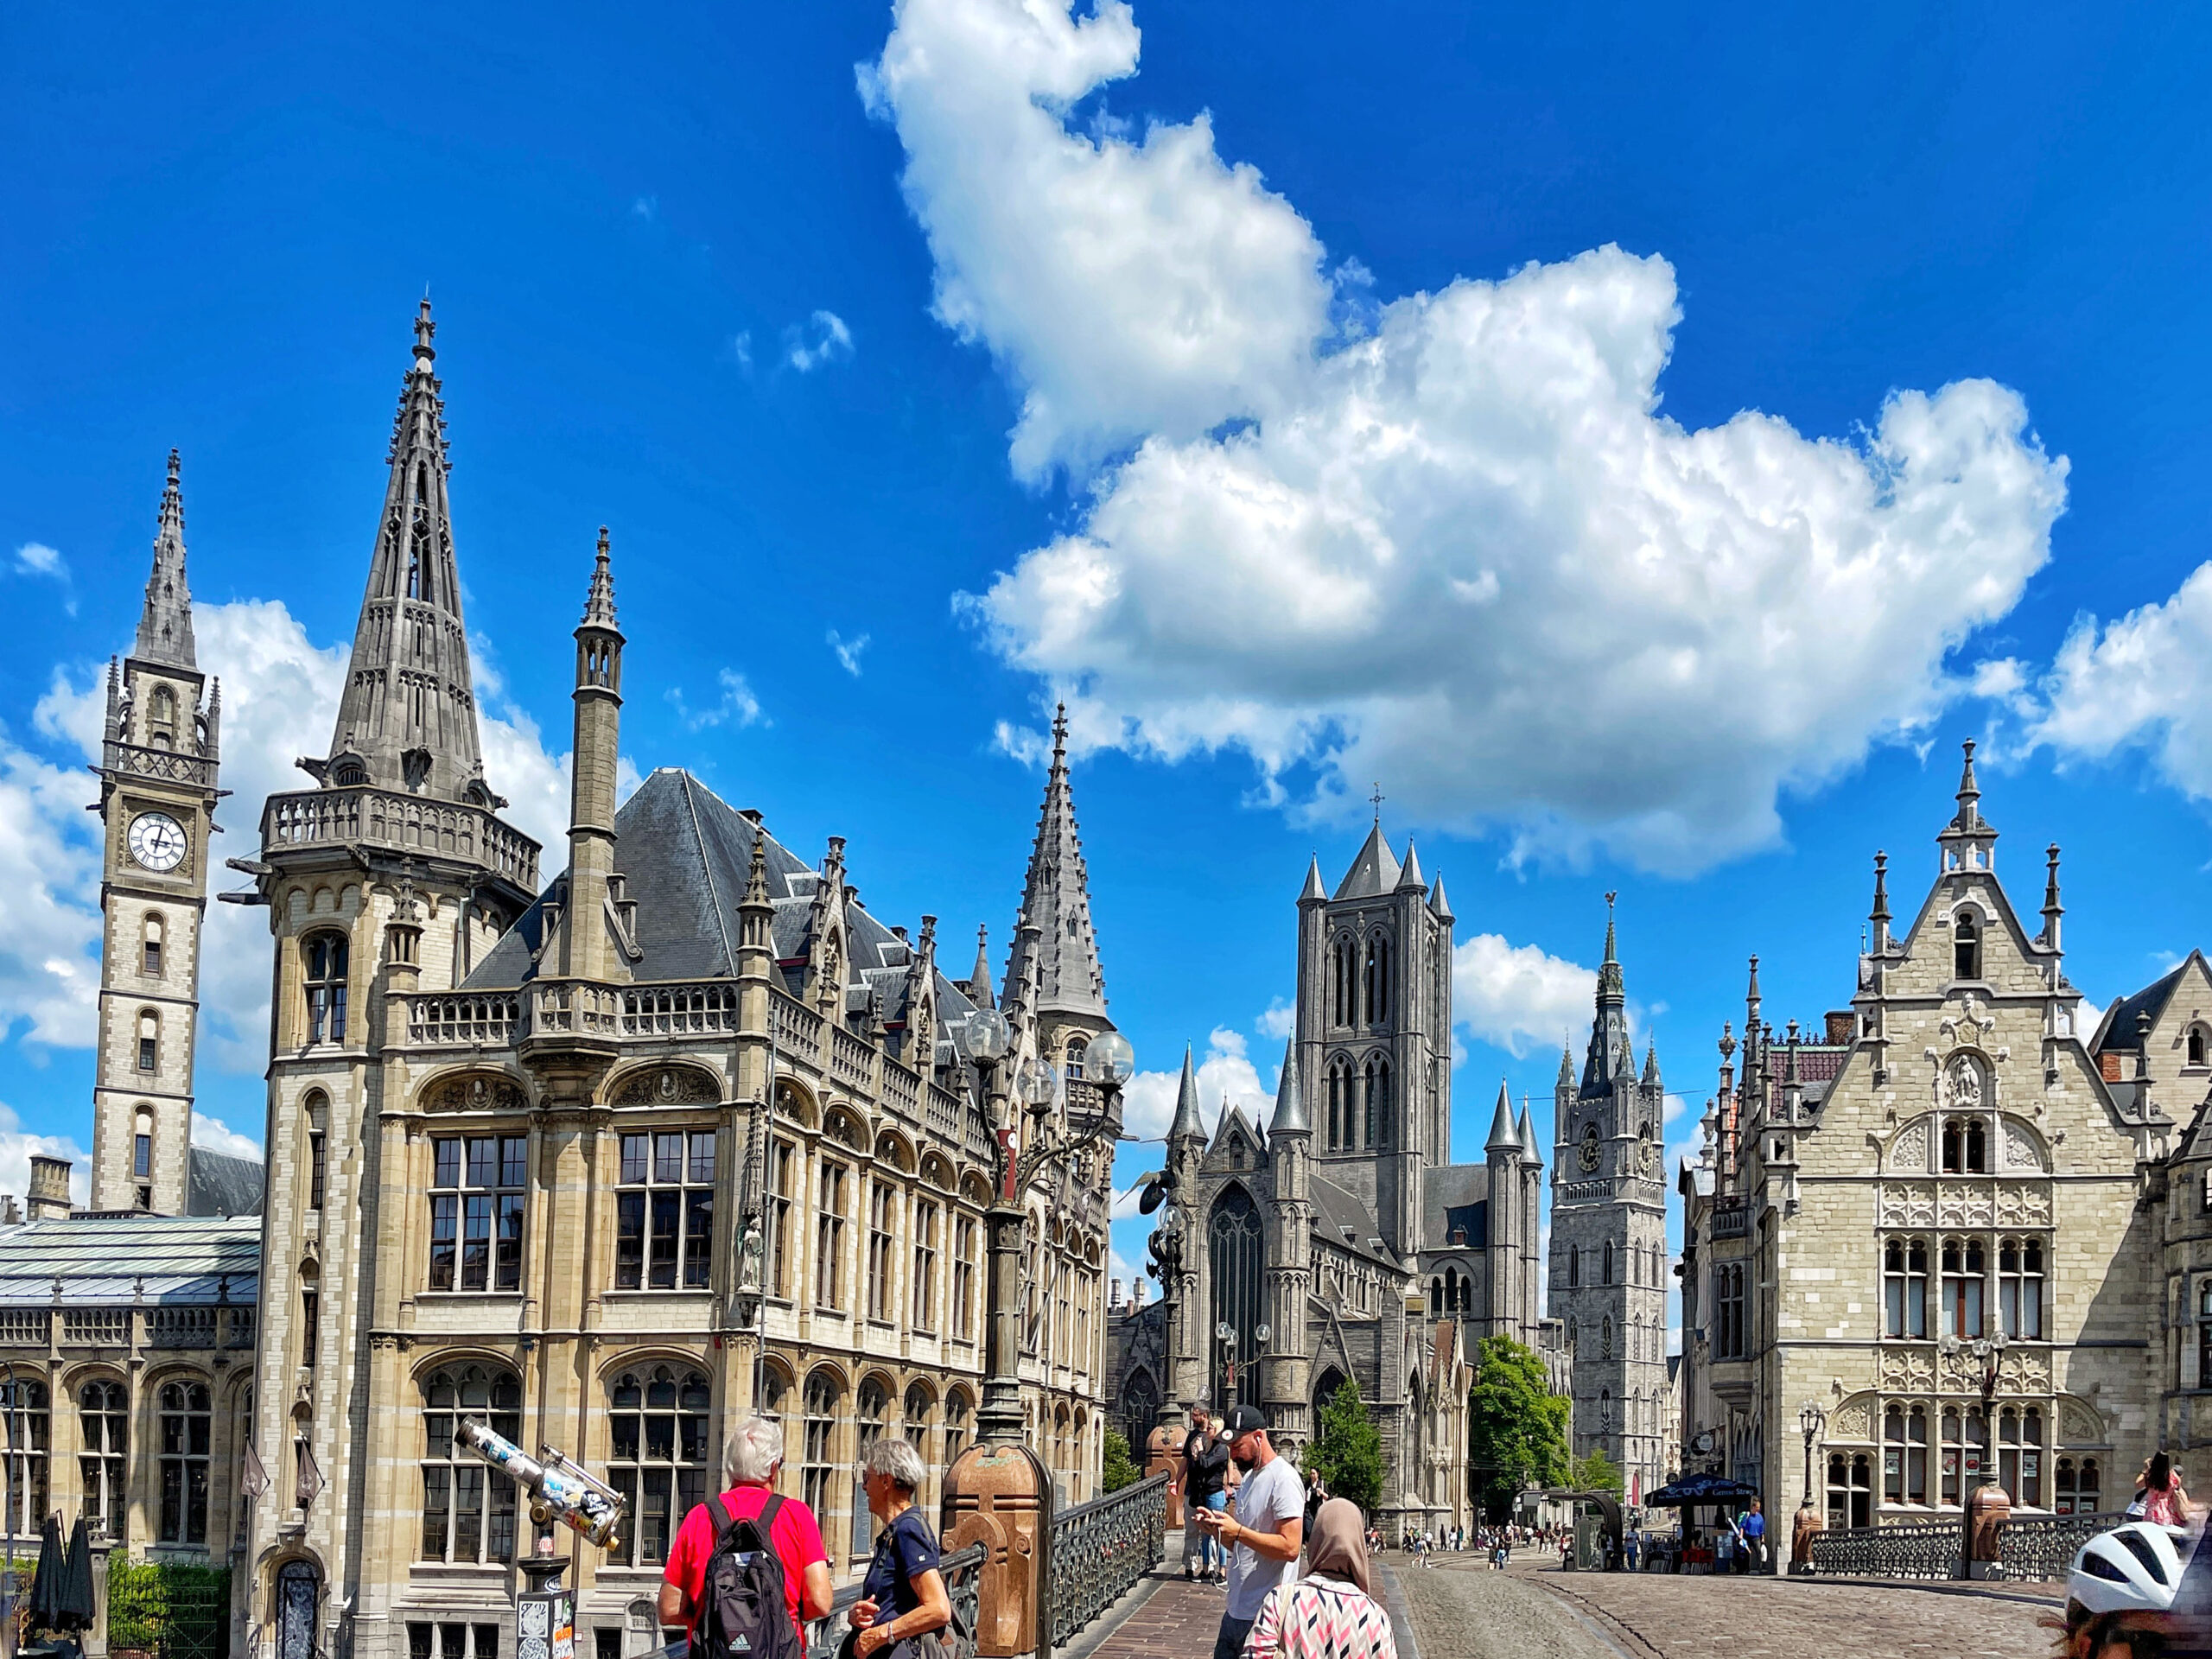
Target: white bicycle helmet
x: 2134, y: 1568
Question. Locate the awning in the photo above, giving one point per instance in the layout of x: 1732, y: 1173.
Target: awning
x: 1700, y: 1489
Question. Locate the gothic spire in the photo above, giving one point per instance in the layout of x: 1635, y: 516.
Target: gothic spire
x: 1313, y: 893
x: 599, y: 603
x: 1969, y: 813
x: 1291, y: 1116
x: 408, y: 715
x: 979, y: 981
x: 1410, y: 876
x: 1437, y: 903
x: 165, y: 626
x: 1186, y: 1126
x: 1503, y: 1137
x: 1530, y: 1155
x: 1610, y: 1055
x: 1056, y: 900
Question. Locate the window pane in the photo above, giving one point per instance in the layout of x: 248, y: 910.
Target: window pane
x: 698, y: 1236
x: 666, y: 1208
x: 630, y: 1240
x: 483, y: 1160
x: 512, y: 1162
x: 448, y: 1158
x: 476, y: 1243
x: 445, y: 1216
x: 668, y: 1157
x: 510, y: 1261
x: 702, y: 1157
x: 633, y: 1159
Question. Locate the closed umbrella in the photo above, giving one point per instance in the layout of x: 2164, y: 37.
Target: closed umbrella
x: 74, y: 1598
x: 46, y: 1582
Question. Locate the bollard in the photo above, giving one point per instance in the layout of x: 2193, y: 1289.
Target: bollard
x: 1001, y: 1496
x: 1987, y: 1508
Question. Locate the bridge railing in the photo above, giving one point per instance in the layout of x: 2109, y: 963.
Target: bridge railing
x: 963, y: 1583
x: 1100, y: 1549
x: 2033, y: 1549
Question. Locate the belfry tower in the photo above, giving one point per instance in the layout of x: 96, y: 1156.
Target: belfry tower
x: 158, y: 756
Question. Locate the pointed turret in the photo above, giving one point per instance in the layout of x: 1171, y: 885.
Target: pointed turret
x: 1409, y: 878
x: 1651, y: 1064
x: 593, y: 949
x: 1879, y: 915
x: 1969, y: 813
x: 1565, y: 1067
x: 1609, y: 1055
x: 1503, y: 1137
x: 407, y: 718
x: 1314, y: 894
x: 1374, y: 872
x: 165, y: 626
x: 1186, y: 1126
x: 1056, y: 900
x: 1437, y: 903
x: 1291, y: 1116
x: 1530, y: 1155
x: 1969, y: 840
x: 979, y: 981
x: 2052, y: 910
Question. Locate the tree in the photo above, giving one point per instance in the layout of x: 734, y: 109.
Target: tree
x: 1119, y: 1470
x: 1348, y: 1452
x: 1517, y: 1427
x: 1596, y: 1472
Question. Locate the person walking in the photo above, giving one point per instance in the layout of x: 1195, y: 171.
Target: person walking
x: 1330, y: 1613
x: 2158, y: 1489
x: 1754, y: 1528
x: 1268, y: 1529
x: 1205, y: 1462
x: 903, y: 1596
x: 750, y: 1463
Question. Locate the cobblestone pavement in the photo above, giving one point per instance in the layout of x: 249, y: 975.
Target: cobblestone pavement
x: 1544, y: 1613
x: 1178, y: 1621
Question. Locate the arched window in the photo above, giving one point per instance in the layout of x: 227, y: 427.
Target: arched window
x: 318, y: 1116
x: 1341, y: 977
x: 23, y: 1405
x: 1079, y: 1053
x: 2019, y: 1289
x: 1235, y: 1244
x: 1904, y: 1287
x: 142, y: 1154
x: 1605, y: 1337
x: 103, y: 1414
x: 1965, y: 1269
x: 1966, y: 946
x: 2197, y: 1048
x: 1341, y: 1106
x: 1377, y: 980
x: 869, y: 1420
x: 163, y: 712
x: 1904, y: 1455
x: 1851, y: 1489
x: 185, y: 1427
x: 917, y: 1416
x: 1435, y: 1296
x: 2019, y: 1454
x: 149, y: 945
x: 1608, y: 1279
x: 325, y: 955
x: 149, y: 1040
x: 1574, y: 1267
x: 960, y: 1421
x: 658, y: 1424
x: 1377, y: 1091
x: 468, y: 1509
x: 823, y: 1394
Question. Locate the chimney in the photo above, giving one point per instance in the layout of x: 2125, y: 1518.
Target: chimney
x: 49, y: 1193
x: 1113, y: 1296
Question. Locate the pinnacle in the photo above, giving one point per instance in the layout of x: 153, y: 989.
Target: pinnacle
x: 598, y: 604
x: 1186, y: 1126
x: 1291, y: 1115
x: 1503, y: 1137
x: 1055, y: 898
x: 165, y: 624
x: 1437, y: 903
x: 979, y: 982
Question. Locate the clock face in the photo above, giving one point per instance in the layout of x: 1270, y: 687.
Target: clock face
x: 157, y: 840
x: 1590, y: 1152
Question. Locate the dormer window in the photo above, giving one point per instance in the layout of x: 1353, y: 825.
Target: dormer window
x: 1966, y: 947
x: 2196, y: 1046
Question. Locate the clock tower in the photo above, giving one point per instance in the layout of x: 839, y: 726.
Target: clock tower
x: 157, y: 801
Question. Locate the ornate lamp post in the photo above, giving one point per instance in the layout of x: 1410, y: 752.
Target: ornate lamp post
x: 1225, y: 1333
x: 1812, y: 1420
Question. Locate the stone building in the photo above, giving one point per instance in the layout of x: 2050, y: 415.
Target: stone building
x: 1609, y: 1257
x: 1936, y: 1217
x: 610, y: 1164
x: 1342, y: 1226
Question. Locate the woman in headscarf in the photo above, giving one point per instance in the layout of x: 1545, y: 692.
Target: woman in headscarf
x: 1328, y: 1614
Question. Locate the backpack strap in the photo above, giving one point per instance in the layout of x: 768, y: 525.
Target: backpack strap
x: 718, y: 1514
x: 767, y: 1519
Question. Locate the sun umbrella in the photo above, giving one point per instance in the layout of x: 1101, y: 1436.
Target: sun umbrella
x: 46, y: 1582
x: 73, y: 1599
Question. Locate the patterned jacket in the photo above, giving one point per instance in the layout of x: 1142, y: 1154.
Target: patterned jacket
x: 1321, y: 1619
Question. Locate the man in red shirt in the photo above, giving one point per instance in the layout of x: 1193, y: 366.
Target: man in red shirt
x: 752, y: 1459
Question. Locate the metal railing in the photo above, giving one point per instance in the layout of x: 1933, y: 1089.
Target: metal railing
x: 2033, y: 1549
x: 1100, y: 1549
x: 142, y: 761
x: 963, y: 1583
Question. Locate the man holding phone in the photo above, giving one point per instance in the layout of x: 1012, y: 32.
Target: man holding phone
x: 1269, y: 1528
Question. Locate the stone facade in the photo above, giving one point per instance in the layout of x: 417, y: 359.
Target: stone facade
x: 1342, y: 1226
x: 1936, y: 1217
x: 1609, y: 1240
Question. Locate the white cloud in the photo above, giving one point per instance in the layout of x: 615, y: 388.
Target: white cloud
x: 280, y: 701
x: 37, y: 559
x: 16, y: 1149
x: 1223, y: 1071
x: 2141, y: 681
x: 822, y: 339
x: 1517, y: 997
x: 741, y: 346
x: 1448, y: 541
x: 737, y: 706
x: 1279, y: 1021
x: 215, y: 1136
x: 848, y: 652
x: 646, y: 207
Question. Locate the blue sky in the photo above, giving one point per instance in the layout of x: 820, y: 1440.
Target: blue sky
x: 1091, y: 355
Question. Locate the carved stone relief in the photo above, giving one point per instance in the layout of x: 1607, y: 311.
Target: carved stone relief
x: 1909, y: 1152
x: 2021, y: 1151
x: 1853, y: 1422
x: 479, y: 1093
x: 1908, y: 1203
x: 2082, y: 1426
x: 668, y: 1085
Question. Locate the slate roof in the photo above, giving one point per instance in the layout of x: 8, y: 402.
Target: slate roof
x: 216, y: 1183
x: 1373, y: 873
x: 1336, y: 1208
x: 684, y: 853
x: 1455, y: 1195
x: 112, y: 1259
x: 2117, y: 1029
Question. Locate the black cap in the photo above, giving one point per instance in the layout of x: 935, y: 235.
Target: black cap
x: 1243, y: 1421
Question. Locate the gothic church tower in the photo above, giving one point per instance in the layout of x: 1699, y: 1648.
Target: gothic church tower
x: 1608, y: 1238
x: 158, y: 758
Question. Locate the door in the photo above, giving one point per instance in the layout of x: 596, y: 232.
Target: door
x: 298, y: 1590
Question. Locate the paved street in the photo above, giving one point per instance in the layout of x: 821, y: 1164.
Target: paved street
x: 1535, y: 1613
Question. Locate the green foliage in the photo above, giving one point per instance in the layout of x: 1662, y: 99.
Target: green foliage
x: 1596, y: 1473
x: 1120, y: 1470
x: 144, y: 1599
x: 1517, y: 1429
x: 1348, y: 1452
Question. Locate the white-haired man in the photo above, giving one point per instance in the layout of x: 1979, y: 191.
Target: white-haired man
x: 750, y: 1461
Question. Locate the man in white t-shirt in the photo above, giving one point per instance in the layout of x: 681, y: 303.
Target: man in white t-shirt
x: 1268, y: 1529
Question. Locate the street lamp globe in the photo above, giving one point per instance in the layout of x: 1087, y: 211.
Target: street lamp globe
x: 1036, y: 1082
x: 1261, y: 1333
x: 1225, y: 1330
x: 989, y: 1034
x: 1811, y: 1419
x: 1111, y: 1059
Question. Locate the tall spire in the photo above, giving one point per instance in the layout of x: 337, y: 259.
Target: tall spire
x: 1056, y: 900
x: 1609, y: 1055
x: 408, y: 715
x: 1503, y: 1137
x: 1969, y: 794
x: 165, y: 626
x: 1291, y: 1115
x: 599, y: 603
x: 1186, y: 1126
x: 1437, y: 903
x: 979, y: 981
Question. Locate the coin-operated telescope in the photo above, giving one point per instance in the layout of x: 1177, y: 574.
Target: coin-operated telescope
x: 559, y: 1490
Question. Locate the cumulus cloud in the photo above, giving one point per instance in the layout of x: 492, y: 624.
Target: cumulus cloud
x: 37, y: 559
x: 280, y: 701
x: 2141, y: 682
x: 848, y: 652
x: 737, y: 707
x: 822, y: 339
x: 1518, y: 997
x: 1224, y: 1072
x: 1448, y: 540
x: 215, y: 1136
x: 1280, y: 1020
x: 18, y: 1147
